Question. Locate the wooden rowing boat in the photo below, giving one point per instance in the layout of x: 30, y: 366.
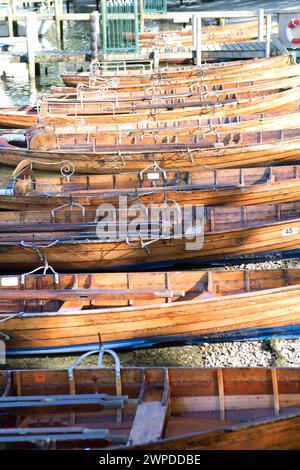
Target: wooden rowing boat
x: 205, y: 83
x: 233, y: 32
x: 228, y: 150
x: 165, y: 87
x: 150, y: 408
x: 284, y: 100
x: 55, y: 313
x: 164, y: 235
x: 208, y: 187
x: 226, y: 69
x: 99, y: 112
x: 203, y: 130
x: 116, y: 104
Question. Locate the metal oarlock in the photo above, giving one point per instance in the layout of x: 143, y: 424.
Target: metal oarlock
x: 120, y: 155
x: 101, y: 351
x: 189, y: 152
x: 156, y: 168
x: 117, y: 366
x: 70, y: 204
x: 150, y: 134
x: 46, y: 267
x: 167, y: 199
x: 37, y: 249
x: 142, y: 244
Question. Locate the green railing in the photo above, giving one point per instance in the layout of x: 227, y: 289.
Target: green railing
x: 120, y: 24
x: 155, y: 6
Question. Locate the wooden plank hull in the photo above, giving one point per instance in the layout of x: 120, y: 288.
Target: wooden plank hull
x: 144, y: 77
x: 188, y: 407
x: 179, y: 322
x: 259, y: 186
x: 278, y: 433
x: 228, y: 232
x: 206, y: 131
x: 244, y: 156
x: 277, y: 101
x: 73, y: 105
x: 186, y: 86
x: 288, y: 77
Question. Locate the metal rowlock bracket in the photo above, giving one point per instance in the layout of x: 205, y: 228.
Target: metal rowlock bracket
x: 120, y: 155
x: 189, y: 152
x: 117, y: 366
x: 37, y: 249
x: 70, y: 204
x: 46, y: 267
x: 155, y: 166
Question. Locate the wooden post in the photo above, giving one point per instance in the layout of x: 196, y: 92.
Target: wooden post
x: 136, y: 23
x: 58, y: 22
x: 194, y: 31
x: 104, y: 25
x: 156, y: 58
x: 31, y: 41
x: 142, y: 21
x: 199, y: 41
x: 14, y: 12
x: 14, y: 6
x: 261, y: 20
x: 94, y: 34
x: 10, y: 20
x: 268, y: 35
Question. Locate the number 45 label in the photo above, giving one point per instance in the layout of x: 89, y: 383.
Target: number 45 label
x: 290, y: 231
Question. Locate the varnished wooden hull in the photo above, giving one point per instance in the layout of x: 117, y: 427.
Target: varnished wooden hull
x: 187, y: 86
x: 228, y: 233
x: 211, y: 70
x: 17, y: 119
x: 206, y: 130
x: 150, y: 408
x: 98, y: 105
x: 278, y: 433
x: 243, y: 156
x: 261, y: 191
x: 277, y: 101
x: 178, y: 322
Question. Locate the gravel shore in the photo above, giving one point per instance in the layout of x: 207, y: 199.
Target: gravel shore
x: 279, y: 353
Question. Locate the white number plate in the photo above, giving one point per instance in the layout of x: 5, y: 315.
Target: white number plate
x: 12, y: 281
x: 290, y: 231
x: 153, y: 176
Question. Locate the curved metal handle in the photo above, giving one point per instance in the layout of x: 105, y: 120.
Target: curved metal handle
x: 100, y: 353
x: 155, y: 167
x: 45, y: 268
x: 71, y: 204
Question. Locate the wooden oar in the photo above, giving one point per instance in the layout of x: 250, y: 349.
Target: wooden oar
x: 109, y: 294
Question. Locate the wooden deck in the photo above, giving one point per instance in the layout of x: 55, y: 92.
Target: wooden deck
x: 216, y: 51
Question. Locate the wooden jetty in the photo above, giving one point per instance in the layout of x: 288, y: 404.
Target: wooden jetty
x: 196, y: 51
